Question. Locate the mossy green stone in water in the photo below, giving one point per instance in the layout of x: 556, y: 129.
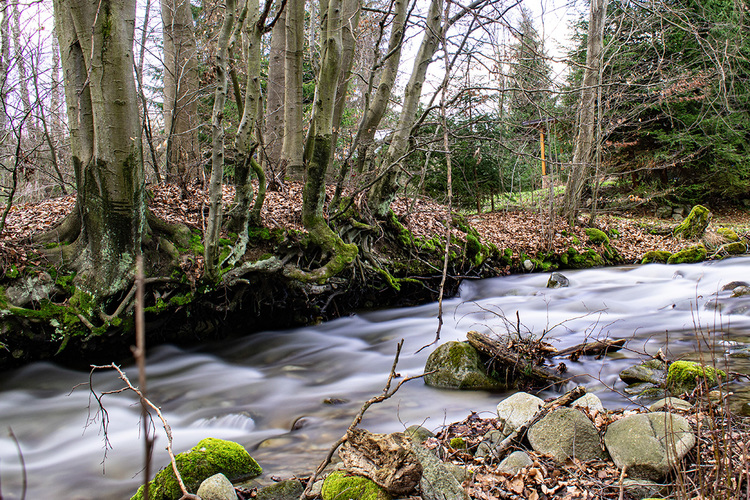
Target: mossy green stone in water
x: 210, y: 456
x: 682, y: 375
x: 660, y: 256
x: 694, y: 224
x: 457, y: 365
x: 696, y: 253
x: 340, y: 485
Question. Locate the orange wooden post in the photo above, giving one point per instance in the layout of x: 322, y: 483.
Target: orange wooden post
x: 541, y: 141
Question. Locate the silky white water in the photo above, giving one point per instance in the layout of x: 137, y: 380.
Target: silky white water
x: 271, y: 391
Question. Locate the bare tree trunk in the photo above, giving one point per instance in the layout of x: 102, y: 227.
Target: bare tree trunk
x: 375, y: 111
x: 21, y: 55
x: 293, y: 132
x: 4, y: 60
x: 213, y: 225
x: 180, y: 89
x: 274, y: 130
x: 384, y: 190
x: 350, y: 23
x: 586, y: 122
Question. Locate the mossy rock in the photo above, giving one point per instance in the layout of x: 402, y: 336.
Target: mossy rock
x: 575, y: 260
x: 596, y: 236
x: 340, y: 485
x: 694, y: 225
x: 210, y: 456
x: 734, y: 248
x: 457, y: 365
x: 660, y: 256
x: 728, y: 234
x: 696, y: 253
x: 682, y: 376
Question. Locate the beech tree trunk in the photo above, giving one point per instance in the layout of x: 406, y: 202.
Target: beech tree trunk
x: 293, y: 131
x: 96, y: 43
x: 584, y: 144
x: 213, y: 225
x: 180, y: 92
x: 384, y: 190
x: 274, y: 129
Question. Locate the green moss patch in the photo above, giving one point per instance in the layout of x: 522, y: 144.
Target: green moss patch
x: 696, y: 253
x: 340, y: 485
x: 683, y: 376
x: 660, y: 256
x: 694, y: 224
x: 210, y: 456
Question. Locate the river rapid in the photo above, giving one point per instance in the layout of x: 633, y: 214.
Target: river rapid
x: 288, y: 395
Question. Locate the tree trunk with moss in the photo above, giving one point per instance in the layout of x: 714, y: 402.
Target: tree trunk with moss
x: 384, y: 190
x: 274, y: 127
x: 108, y: 224
x: 213, y: 225
x: 318, y: 153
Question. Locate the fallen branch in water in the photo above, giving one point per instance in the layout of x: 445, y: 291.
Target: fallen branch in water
x: 387, y: 393
x: 596, y: 348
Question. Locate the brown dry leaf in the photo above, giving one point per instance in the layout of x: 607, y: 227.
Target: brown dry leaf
x: 517, y: 484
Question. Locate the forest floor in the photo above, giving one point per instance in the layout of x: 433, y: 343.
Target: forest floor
x: 526, y: 231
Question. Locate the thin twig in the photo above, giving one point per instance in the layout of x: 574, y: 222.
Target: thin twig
x: 387, y: 393
x: 23, y: 464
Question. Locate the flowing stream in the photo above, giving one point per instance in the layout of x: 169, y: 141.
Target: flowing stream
x: 287, y: 395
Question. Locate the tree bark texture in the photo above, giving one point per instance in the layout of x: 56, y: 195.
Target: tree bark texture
x: 584, y: 143
x: 293, y: 131
x: 274, y: 129
x: 384, y: 190
x: 213, y: 225
x: 180, y: 91
x: 96, y: 43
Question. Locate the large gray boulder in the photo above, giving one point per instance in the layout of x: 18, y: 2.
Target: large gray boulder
x: 457, y: 365
x: 566, y: 433
x: 217, y: 487
x: 517, y: 410
x: 649, y: 444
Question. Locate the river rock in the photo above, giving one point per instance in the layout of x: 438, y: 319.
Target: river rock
x: 690, y: 255
x: 341, y: 485
x: 558, y: 280
x: 653, y: 371
x: 29, y: 289
x: 217, y: 487
x: 516, y: 411
x: 418, y: 434
x: 694, y: 225
x: 513, y: 463
x: 682, y: 376
x: 649, y: 444
x: 566, y: 433
x: 457, y: 365
x: 589, y: 401
x: 291, y: 489
x: 437, y: 483
x: 642, y: 489
x: 387, y: 459
x: 670, y: 403
x: 210, y: 456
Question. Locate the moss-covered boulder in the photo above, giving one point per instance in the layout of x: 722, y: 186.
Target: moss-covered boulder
x: 457, y: 365
x: 340, y: 485
x: 583, y: 260
x: 597, y: 236
x: 734, y: 248
x: 694, y: 225
x: 210, y: 456
x: 683, y: 376
x: 728, y: 234
x: 660, y: 256
x: 696, y: 253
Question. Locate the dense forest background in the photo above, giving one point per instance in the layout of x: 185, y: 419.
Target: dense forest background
x: 646, y: 101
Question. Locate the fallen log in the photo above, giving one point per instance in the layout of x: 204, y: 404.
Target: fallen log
x: 512, y: 361
x: 596, y: 348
